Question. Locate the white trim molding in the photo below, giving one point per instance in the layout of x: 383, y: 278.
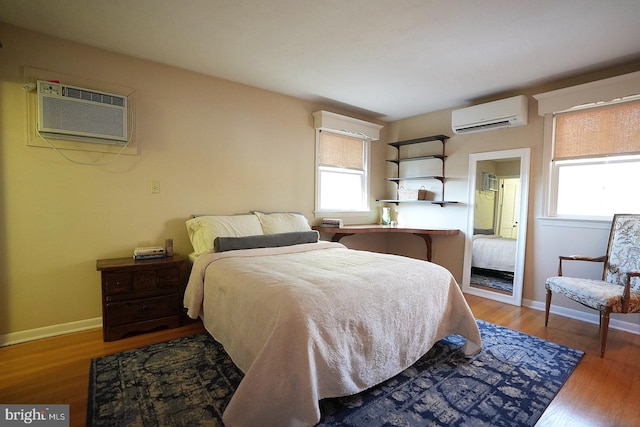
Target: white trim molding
x: 575, y: 223
x: 49, y: 331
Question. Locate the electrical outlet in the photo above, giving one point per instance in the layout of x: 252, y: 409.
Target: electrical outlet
x: 155, y: 187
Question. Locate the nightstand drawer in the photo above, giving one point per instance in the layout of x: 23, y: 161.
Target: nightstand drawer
x: 117, y: 283
x: 168, y: 277
x: 128, y: 312
x: 144, y: 280
x: 141, y: 281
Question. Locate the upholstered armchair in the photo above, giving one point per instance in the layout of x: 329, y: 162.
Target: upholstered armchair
x: 619, y: 289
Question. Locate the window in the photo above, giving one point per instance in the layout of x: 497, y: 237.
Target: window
x: 595, y: 166
x: 342, y: 172
x: 342, y: 162
x: 592, y: 149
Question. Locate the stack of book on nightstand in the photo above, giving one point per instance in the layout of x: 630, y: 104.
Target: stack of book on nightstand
x: 331, y: 222
x: 149, y: 252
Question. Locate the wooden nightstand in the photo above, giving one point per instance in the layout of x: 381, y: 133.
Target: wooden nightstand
x: 138, y: 296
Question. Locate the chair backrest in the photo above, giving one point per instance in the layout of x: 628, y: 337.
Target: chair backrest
x: 623, y: 251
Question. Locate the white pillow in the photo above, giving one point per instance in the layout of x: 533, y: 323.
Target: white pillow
x: 203, y: 230
x: 282, y: 222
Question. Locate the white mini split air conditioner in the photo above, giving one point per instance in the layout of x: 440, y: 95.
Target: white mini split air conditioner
x: 504, y: 113
x: 73, y: 113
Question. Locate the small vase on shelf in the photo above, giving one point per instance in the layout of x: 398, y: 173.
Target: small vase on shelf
x: 385, y: 216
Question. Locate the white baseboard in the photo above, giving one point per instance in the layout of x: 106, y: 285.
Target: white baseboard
x: 593, y: 318
x: 49, y: 331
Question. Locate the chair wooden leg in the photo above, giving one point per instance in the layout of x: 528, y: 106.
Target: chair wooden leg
x: 547, y: 307
x: 604, y: 329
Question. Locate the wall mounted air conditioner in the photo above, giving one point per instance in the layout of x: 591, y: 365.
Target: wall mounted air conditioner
x: 489, y: 182
x: 73, y: 113
x: 504, y: 113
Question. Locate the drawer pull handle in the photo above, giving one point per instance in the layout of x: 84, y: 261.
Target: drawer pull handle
x: 146, y: 308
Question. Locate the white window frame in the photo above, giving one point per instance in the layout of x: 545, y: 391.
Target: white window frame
x: 555, y: 180
x: 622, y: 87
x: 326, y: 121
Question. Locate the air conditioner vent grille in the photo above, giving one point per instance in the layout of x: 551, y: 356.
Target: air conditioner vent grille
x: 87, y: 95
x: 486, y: 126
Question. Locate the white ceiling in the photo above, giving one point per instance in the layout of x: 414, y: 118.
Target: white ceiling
x: 389, y: 59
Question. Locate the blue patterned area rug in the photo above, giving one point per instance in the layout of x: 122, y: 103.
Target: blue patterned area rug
x: 189, y: 381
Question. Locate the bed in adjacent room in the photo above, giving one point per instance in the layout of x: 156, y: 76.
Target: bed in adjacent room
x: 306, y: 319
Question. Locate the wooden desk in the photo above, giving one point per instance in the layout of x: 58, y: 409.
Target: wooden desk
x: 349, y: 230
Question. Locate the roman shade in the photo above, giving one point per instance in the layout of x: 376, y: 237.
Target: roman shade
x: 341, y: 151
x: 599, y: 131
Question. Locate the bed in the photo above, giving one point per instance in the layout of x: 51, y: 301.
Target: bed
x: 492, y: 252
x: 313, y: 319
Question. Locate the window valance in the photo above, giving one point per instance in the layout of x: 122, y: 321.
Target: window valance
x: 599, y: 91
x: 326, y: 120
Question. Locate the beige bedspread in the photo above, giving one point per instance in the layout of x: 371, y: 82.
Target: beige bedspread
x: 319, y: 320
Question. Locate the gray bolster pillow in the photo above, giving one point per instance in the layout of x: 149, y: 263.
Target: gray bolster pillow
x: 223, y: 244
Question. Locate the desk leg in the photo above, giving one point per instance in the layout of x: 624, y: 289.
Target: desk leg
x: 336, y: 237
x: 427, y: 241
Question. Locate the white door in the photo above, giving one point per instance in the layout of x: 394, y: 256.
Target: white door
x: 509, y: 207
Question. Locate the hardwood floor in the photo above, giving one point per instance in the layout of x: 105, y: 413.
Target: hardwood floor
x: 600, y: 392
x: 56, y: 370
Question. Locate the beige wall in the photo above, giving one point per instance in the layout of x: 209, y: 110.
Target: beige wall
x: 214, y: 146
